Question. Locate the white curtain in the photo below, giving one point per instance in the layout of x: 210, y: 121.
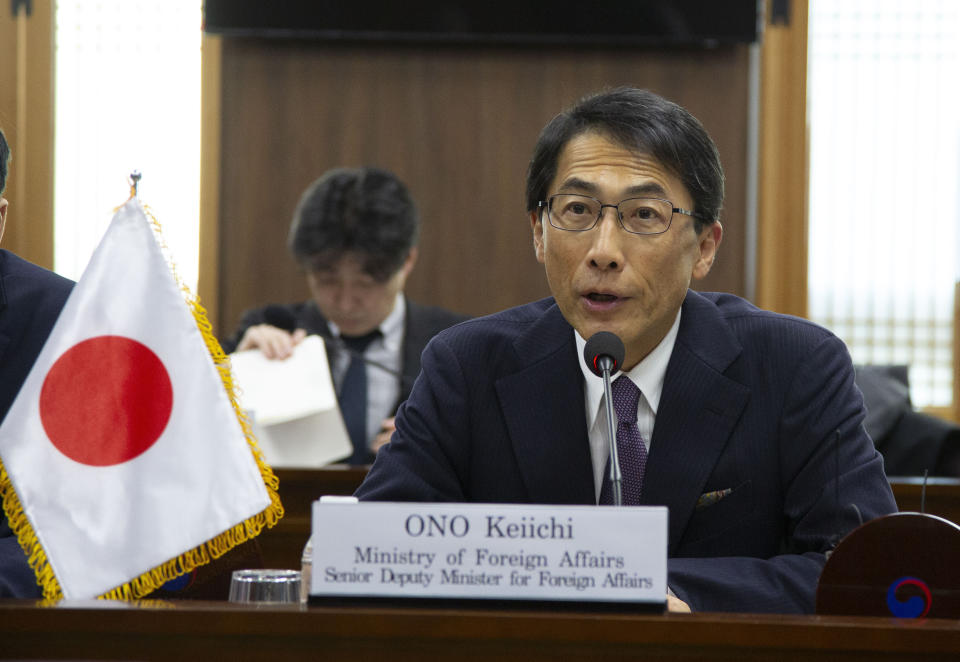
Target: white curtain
x: 884, y: 94
x: 127, y: 98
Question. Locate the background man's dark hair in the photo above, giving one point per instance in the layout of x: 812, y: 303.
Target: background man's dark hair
x: 366, y: 211
x: 642, y: 121
x: 4, y: 161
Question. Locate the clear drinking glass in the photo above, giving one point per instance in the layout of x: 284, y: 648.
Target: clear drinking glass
x: 265, y: 586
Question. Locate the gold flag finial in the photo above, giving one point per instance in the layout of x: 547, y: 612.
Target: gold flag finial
x: 134, y: 182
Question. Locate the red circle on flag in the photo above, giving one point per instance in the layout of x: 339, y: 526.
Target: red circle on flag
x: 106, y: 400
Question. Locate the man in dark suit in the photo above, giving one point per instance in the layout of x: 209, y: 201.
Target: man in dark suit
x: 30, y: 302
x: 355, y: 234
x: 746, y: 424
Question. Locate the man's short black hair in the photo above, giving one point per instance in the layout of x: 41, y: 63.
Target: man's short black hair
x: 364, y: 211
x: 642, y: 121
x: 4, y: 161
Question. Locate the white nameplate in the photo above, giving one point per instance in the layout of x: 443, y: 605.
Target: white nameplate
x: 489, y: 551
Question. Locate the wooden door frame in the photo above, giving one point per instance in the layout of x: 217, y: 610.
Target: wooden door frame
x: 27, y: 119
x: 208, y: 282
x: 784, y: 155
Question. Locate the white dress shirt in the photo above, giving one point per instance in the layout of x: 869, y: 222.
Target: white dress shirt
x: 648, y: 375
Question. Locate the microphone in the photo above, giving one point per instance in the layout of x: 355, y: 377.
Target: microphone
x: 604, y: 350
x: 284, y: 318
x: 838, y: 516
x: 923, y: 492
x: 838, y: 534
x: 604, y: 353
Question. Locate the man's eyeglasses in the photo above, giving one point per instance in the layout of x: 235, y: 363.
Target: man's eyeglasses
x: 578, y: 213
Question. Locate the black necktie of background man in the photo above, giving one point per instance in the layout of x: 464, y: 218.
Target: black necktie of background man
x: 353, y: 395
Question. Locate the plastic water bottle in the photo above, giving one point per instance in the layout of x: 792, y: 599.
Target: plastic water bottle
x: 306, y: 564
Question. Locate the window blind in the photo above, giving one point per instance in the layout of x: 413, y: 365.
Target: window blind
x: 883, y: 93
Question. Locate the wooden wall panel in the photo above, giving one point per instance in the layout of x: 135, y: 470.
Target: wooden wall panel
x: 458, y: 125
x: 26, y: 117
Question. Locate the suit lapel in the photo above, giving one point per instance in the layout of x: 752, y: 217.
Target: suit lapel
x: 412, y: 344
x: 698, y: 410
x: 543, y: 408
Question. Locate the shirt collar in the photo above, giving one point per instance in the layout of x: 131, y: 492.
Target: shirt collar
x: 391, y: 327
x: 648, y: 375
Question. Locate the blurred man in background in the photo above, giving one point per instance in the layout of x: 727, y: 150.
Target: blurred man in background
x: 354, y: 233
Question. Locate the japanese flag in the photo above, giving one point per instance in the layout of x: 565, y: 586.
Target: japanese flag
x: 123, y: 446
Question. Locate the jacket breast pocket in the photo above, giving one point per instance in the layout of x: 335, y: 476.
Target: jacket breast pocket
x: 718, y: 512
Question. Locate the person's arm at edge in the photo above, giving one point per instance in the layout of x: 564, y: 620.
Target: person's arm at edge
x: 17, y: 579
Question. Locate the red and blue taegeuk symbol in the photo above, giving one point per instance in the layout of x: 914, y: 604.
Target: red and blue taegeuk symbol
x: 915, y: 606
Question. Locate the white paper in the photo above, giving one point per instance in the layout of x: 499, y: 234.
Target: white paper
x: 282, y: 390
x: 293, y: 405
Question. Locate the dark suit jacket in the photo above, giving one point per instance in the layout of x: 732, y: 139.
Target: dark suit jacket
x: 911, y: 442
x: 30, y: 302
x: 420, y: 325
x: 752, y: 401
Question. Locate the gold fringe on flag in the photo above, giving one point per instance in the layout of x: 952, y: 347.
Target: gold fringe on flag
x: 191, y: 559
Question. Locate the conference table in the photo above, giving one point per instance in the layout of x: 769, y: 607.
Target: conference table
x: 171, y: 629
x: 187, y: 630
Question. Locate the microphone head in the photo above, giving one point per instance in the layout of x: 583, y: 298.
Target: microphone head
x: 603, y: 343
x: 280, y: 317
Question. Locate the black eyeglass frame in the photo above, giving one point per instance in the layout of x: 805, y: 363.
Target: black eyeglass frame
x: 546, y: 204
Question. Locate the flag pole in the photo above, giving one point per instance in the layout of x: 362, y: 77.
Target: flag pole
x: 135, y: 177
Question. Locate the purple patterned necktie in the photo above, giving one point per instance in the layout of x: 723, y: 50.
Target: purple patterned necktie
x: 630, y: 447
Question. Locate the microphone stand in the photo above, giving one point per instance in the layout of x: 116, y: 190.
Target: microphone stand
x: 616, y: 478
x: 339, y: 346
